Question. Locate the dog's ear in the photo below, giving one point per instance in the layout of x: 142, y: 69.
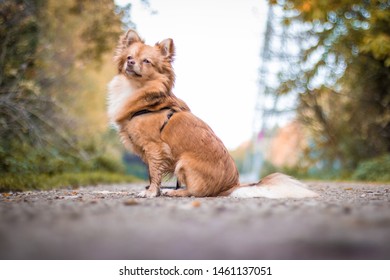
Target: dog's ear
x: 125, y: 41
x: 167, y: 48
x: 129, y: 38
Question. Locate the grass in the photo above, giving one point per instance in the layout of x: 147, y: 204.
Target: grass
x: 377, y: 169
x: 26, y: 182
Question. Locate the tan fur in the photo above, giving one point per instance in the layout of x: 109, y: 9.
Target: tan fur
x: 168, y: 138
x: 150, y: 77
x: 186, y: 147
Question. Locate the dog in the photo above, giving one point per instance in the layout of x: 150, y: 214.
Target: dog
x: 160, y: 128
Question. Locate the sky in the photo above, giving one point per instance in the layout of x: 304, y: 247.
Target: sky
x: 218, y: 46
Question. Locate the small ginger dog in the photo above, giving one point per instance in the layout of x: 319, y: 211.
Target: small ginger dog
x: 159, y: 127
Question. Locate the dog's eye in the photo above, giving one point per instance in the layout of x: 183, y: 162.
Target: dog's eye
x: 147, y: 61
x: 129, y: 57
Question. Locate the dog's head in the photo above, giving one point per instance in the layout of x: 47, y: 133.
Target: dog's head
x: 142, y: 62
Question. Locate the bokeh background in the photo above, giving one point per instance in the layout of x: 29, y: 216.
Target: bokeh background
x: 296, y: 86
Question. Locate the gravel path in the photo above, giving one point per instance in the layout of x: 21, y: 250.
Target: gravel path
x: 348, y: 221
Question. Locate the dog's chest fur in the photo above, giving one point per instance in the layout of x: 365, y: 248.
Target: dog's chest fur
x: 119, y: 89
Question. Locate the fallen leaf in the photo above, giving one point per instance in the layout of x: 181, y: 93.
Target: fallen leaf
x: 195, y: 203
x: 130, y: 202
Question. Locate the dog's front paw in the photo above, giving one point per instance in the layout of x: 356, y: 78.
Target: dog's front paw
x: 148, y: 194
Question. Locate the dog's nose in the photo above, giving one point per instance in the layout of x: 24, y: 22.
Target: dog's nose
x: 130, y: 60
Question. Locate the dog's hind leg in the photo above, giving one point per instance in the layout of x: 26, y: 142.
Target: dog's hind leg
x: 190, y: 177
x: 176, y: 193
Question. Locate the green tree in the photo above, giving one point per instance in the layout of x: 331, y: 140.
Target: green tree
x: 343, y: 79
x: 52, y: 81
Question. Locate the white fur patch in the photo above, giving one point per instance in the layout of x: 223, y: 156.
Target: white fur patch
x: 147, y: 194
x: 282, y: 186
x: 119, y: 89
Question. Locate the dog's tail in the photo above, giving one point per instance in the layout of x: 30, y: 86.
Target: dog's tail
x: 276, y: 185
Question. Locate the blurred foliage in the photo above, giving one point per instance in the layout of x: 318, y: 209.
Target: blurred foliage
x: 343, y: 79
x: 135, y: 166
x: 55, y: 62
x: 305, y: 173
x: 9, y: 182
x: 376, y: 169
x: 239, y: 155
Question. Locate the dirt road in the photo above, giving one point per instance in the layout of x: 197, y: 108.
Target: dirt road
x: 348, y: 221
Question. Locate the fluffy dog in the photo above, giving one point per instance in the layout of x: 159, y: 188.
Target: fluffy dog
x: 160, y: 128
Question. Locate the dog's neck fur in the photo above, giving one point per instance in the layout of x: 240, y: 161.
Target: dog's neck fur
x: 121, y: 88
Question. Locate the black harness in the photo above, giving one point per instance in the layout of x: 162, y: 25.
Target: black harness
x: 169, y: 115
x: 142, y: 112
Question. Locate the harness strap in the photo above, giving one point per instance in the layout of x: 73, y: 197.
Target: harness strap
x: 146, y: 111
x: 169, y: 116
x: 143, y: 112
